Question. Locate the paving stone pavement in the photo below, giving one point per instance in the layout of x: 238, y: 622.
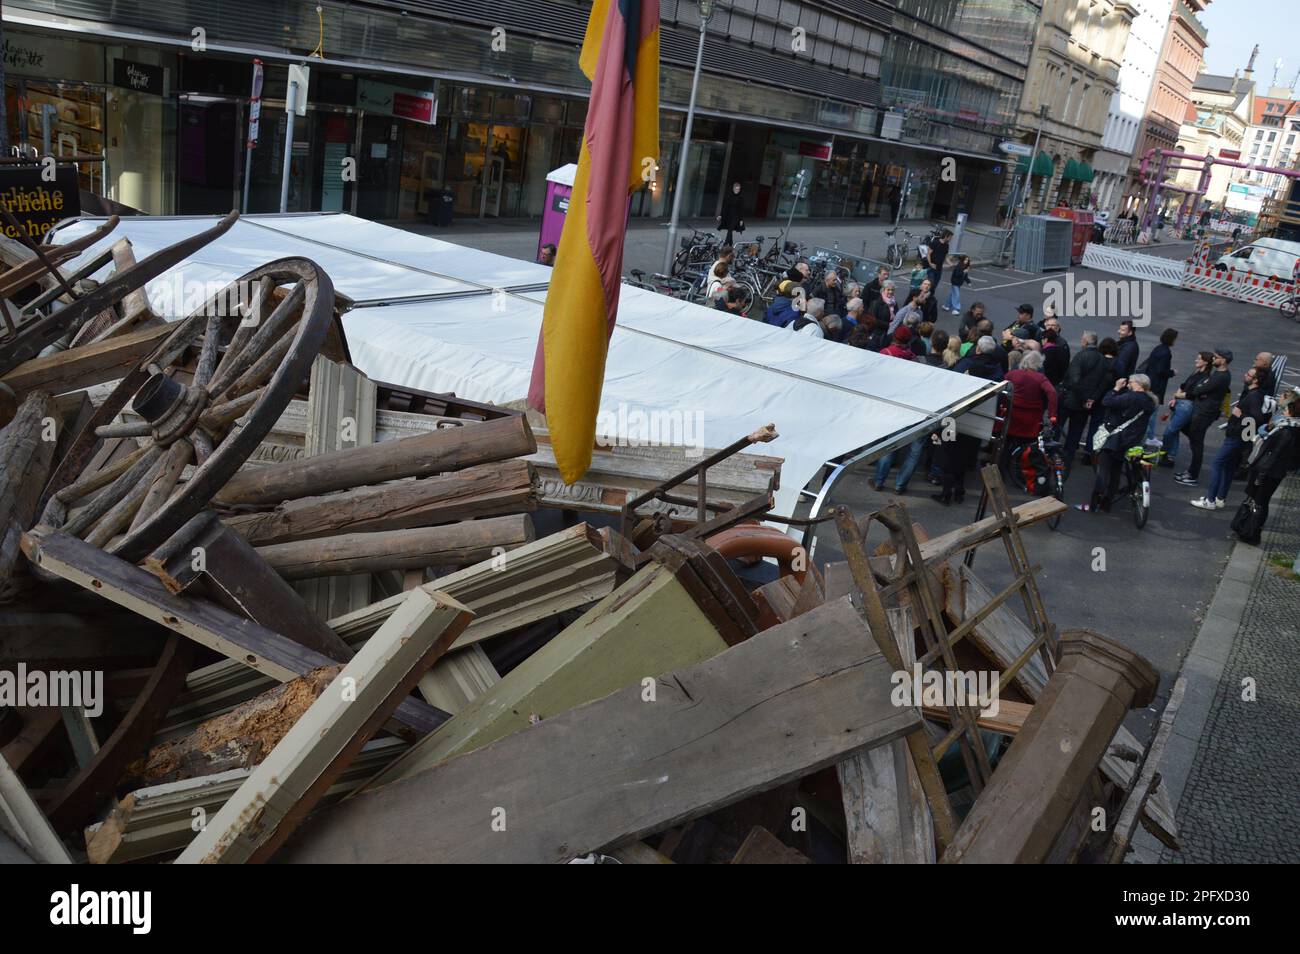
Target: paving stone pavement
x: 1240, y: 798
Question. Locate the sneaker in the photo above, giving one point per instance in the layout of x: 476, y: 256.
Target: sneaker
x: 900, y: 491
x: 879, y: 487
x: 1187, y: 480
x: 1204, y: 503
x: 1220, y: 504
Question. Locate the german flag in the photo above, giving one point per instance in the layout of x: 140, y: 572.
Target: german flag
x: 620, y: 55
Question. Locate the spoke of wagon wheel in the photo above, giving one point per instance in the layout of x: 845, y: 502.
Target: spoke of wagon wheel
x: 221, y: 415
x: 179, y: 456
x: 208, y: 354
x: 101, y: 478
x: 119, y: 515
x: 203, y: 445
x: 80, y: 523
x: 254, y: 316
x: 276, y: 327
x: 263, y: 367
x: 125, y: 429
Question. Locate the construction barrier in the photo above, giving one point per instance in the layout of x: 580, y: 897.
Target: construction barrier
x: 1194, y: 274
x: 1166, y: 271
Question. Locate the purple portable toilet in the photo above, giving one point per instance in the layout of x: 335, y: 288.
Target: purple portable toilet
x: 559, y: 186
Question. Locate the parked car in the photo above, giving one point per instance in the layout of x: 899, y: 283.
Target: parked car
x: 1265, y: 258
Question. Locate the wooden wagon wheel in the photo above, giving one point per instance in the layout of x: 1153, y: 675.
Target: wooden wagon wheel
x: 249, y: 366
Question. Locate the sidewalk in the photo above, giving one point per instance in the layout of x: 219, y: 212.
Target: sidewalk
x: 1232, y: 766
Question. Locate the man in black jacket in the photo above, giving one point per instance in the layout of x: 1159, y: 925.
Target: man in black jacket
x: 1128, y: 407
x: 1247, y: 419
x: 974, y: 315
x: 872, y: 291
x: 1207, y: 404
x: 1279, y: 456
x: 1081, y: 389
x: 1126, y: 361
x: 1159, y: 368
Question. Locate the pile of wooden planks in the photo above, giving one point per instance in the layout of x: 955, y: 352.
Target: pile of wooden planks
x: 391, y: 633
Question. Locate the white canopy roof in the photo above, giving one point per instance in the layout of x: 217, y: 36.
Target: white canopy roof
x: 442, y: 317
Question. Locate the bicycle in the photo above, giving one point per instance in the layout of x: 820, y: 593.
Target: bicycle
x: 1290, y: 307
x: 660, y: 284
x: 698, y: 250
x: 897, y: 250
x: 1051, y: 445
x: 1138, y: 464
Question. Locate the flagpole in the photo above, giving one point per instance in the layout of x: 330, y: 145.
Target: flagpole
x: 706, y: 11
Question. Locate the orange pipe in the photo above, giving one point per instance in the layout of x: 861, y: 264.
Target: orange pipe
x: 754, y: 541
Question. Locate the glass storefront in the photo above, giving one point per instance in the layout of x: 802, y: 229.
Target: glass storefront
x: 104, y: 108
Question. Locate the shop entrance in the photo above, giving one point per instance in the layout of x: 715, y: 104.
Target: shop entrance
x: 59, y: 119
x: 209, y: 151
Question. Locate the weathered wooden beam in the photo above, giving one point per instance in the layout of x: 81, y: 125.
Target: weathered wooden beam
x: 1009, y: 719
x: 40, y: 734
x: 887, y: 820
x: 1030, y: 798
x: 238, y: 638
x: 238, y: 578
x: 26, y: 456
x: 944, y: 547
x: 780, y: 705
x: 239, y: 738
x: 455, y: 544
x: 439, y: 452
x: 761, y: 847
x: 289, y: 783
x: 87, y: 365
x: 617, y: 474
x: 649, y: 625
x: 24, y: 819
x: 483, y: 491
x: 157, y: 820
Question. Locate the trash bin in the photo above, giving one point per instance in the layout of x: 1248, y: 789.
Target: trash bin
x: 441, y: 203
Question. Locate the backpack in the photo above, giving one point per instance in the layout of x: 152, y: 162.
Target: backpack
x: 1031, y: 469
x: 1248, y: 522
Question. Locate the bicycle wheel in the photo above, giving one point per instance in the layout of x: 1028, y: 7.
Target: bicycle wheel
x: 894, y: 255
x: 1058, y: 491
x: 1141, y: 502
x: 1290, y: 308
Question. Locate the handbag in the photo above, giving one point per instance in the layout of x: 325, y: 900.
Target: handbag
x: 1248, y: 523
x: 1104, y: 433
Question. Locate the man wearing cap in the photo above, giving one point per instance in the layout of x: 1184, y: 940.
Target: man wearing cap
x: 1207, y: 404
x: 785, y: 304
x: 1247, y: 419
x: 900, y: 345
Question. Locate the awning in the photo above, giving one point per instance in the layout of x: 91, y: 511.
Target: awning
x: 431, y: 315
x: 1042, y: 165
x: 1071, y: 171
x: 1085, y: 172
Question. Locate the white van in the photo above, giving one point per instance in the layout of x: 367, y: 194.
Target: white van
x: 1263, y: 258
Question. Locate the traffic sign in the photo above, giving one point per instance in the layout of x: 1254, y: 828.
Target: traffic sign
x: 1016, y: 149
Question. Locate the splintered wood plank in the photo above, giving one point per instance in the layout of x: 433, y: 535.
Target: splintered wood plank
x: 234, y: 636
x: 286, y: 786
x: 784, y: 703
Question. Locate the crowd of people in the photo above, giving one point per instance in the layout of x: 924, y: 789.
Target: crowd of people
x: 1100, y: 396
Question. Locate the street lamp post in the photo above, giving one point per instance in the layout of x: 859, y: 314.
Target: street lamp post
x: 1038, y: 138
x: 706, y: 11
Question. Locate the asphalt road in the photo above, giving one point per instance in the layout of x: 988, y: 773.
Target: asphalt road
x: 1157, y: 581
